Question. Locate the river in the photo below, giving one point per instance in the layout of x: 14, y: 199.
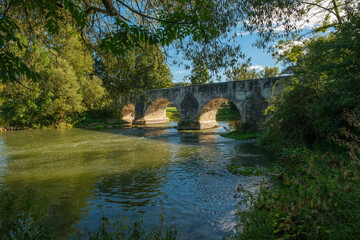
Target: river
x: 130, y: 172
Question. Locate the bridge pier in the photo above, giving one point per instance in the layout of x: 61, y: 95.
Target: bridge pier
x: 208, y: 124
x: 151, y: 121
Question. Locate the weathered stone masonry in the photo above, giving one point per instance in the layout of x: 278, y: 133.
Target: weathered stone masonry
x: 198, y: 104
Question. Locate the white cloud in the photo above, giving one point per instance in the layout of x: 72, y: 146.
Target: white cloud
x: 257, y: 67
x: 315, y: 16
x: 243, y: 34
x: 290, y: 45
x: 180, y: 72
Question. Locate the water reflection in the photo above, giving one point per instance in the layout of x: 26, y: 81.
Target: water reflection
x: 85, y: 174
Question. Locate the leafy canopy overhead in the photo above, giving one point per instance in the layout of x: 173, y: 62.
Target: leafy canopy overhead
x: 196, y: 28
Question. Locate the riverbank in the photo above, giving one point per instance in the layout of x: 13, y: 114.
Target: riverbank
x: 101, y: 123
x: 315, y: 196
x: 240, y: 136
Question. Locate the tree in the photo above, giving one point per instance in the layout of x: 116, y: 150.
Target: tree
x: 272, y: 20
x: 241, y: 72
x: 199, y: 74
x: 139, y: 69
x: 269, y: 72
x: 66, y: 88
x: 182, y: 84
x: 197, y: 28
x: 117, y: 26
x: 244, y: 72
x: 326, y: 84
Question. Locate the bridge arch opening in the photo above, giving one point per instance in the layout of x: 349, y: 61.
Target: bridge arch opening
x: 218, y: 109
x: 156, y: 112
x: 128, y: 113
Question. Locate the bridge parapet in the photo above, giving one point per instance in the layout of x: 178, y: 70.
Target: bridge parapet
x: 198, y: 104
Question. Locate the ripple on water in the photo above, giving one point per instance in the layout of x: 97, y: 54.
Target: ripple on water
x: 127, y: 172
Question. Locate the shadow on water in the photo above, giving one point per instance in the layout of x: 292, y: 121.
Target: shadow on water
x: 131, y: 171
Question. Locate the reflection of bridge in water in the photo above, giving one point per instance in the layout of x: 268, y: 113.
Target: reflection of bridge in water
x: 199, y: 104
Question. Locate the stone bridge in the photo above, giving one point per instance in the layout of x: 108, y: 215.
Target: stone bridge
x: 198, y: 104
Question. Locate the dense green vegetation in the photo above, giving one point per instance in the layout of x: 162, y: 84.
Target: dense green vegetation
x: 314, y: 126
x: 67, y: 86
x: 73, y: 84
x: 315, y: 196
x: 199, y: 73
x: 238, y: 135
x: 246, y: 171
x: 228, y: 112
x: 142, y: 68
x: 197, y: 29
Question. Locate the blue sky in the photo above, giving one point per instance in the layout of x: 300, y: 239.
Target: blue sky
x: 259, y: 58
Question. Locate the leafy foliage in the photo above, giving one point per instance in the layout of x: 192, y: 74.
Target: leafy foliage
x: 247, y: 171
x: 23, y: 218
x: 238, y: 135
x: 125, y: 229
x: 228, y: 112
x: 65, y: 90
x: 199, y: 74
x: 313, y: 191
x: 327, y: 82
x: 198, y: 29
x: 15, y: 13
x: 116, y: 27
x: 140, y: 69
x: 272, y: 20
x: 317, y: 185
x: 244, y: 72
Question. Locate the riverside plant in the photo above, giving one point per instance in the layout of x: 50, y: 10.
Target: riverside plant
x: 24, y: 216
x: 315, y: 196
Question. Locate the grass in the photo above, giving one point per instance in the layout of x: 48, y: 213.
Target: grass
x: 98, y: 121
x: 238, y: 135
x: 172, y: 114
x: 224, y: 114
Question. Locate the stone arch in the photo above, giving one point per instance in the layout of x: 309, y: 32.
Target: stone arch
x: 209, y: 111
x: 128, y: 113
x: 155, y: 112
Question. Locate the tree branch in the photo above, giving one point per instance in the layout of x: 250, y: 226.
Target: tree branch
x: 149, y: 17
x: 319, y: 6
x: 107, y: 12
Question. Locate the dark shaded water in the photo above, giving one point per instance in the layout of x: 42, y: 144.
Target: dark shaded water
x: 132, y: 171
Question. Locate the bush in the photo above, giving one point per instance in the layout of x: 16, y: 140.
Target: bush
x: 315, y: 196
x: 327, y: 82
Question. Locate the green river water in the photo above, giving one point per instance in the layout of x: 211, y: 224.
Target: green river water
x: 132, y: 172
